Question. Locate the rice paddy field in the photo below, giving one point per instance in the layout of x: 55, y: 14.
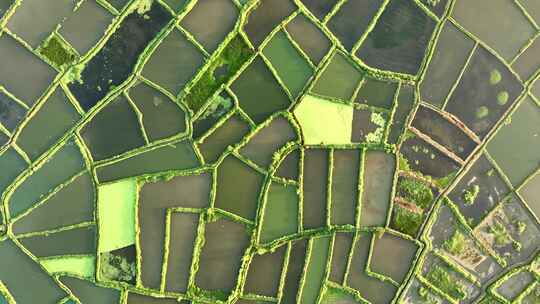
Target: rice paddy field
x: 269, y: 151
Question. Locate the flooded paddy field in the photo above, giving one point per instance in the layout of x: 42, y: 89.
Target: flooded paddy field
x: 269, y: 152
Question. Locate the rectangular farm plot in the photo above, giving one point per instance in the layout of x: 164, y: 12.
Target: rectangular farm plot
x: 309, y: 37
x: 56, y: 116
x: 182, y: 234
x: 378, y: 179
x: 289, y: 63
x: 83, y: 266
x: 341, y: 248
x: 59, y: 168
x: 406, y: 220
x: 221, y: 255
x: 315, y: 272
x: 393, y: 256
x: 173, y: 191
x: 339, y: 78
x: 315, y: 180
x: 72, y: 204
x: 173, y: 156
x: 419, y: 156
x: 238, y: 188
x: 445, y: 132
x: 368, y: 126
x: 513, y: 286
x: 76, y: 241
x: 116, y: 212
x: 416, y: 292
x: 414, y: 194
x: 450, y: 282
x: 280, y: 216
x: 24, y: 74
x: 377, y: 93
x: 451, y: 52
x: 345, y: 185
x: 265, y: 272
x: 12, y: 164
x: 295, y: 267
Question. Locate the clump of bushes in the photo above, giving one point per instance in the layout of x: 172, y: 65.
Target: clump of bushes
x: 442, y: 280
x: 232, y: 57
x: 116, y: 268
x: 406, y: 221
x: 415, y: 191
x: 469, y: 196
x: 55, y: 52
x: 456, y: 244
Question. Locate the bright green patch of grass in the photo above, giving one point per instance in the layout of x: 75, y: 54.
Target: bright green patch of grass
x: 323, y: 121
x: 116, y: 211
x: 456, y: 244
x: 83, y: 265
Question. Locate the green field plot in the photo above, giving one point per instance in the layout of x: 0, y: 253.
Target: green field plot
x: 337, y: 119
